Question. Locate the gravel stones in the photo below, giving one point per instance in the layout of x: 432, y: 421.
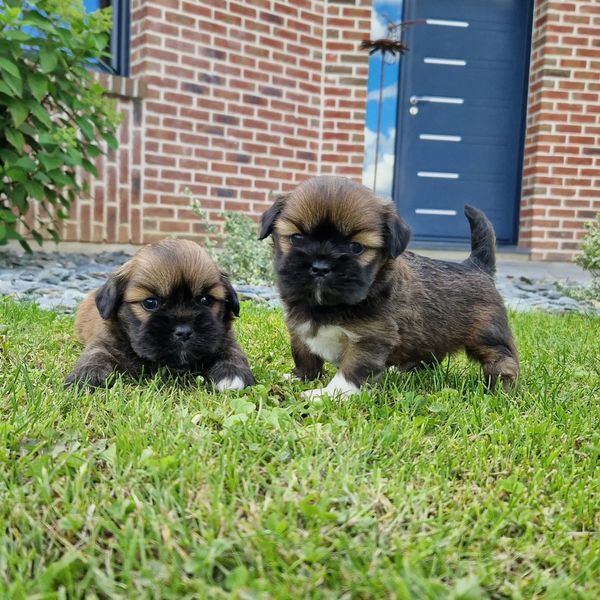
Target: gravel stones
x: 59, y: 281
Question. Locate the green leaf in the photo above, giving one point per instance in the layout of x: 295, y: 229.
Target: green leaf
x: 19, y: 112
x: 59, y: 178
x: 86, y: 127
x: 3, y: 230
x: 92, y: 150
x: 17, y: 35
x: 15, y: 138
x: 15, y: 84
x: 38, y: 84
x: 111, y: 140
x: 37, y: 237
x: 46, y: 139
x: 10, y: 67
x: 72, y: 157
x: 50, y: 161
x: 41, y: 115
x: 48, y: 60
x: 89, y: 167
x: 4, y: 89
x: 19, y: 199
x: 16, y: 174
x: 7, y: 216
x: 8, y: 156
x: 36, y: 19
x: 35, y: 189
x: 30, y: 131
x: 26, y: 163
x: 53, y: 234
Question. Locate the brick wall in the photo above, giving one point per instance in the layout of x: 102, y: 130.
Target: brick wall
x: 561, y: 174
x: 234, y: 100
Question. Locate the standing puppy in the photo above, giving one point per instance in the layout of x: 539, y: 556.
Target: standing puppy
x: 351, y: 297
x: 169, y: 305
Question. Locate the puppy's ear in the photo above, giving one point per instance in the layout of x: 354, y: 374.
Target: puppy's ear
x: 397, y: 233
x: 232, y: 303
x: 110, y: 296
x: 267, y: 221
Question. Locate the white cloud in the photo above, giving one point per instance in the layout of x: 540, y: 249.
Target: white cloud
x: 378, y: 26
x: 389, y: 91
x: 385, y: 164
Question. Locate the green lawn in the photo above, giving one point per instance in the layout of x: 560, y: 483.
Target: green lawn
x: 425, y: 487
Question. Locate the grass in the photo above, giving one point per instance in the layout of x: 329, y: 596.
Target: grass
x: 425, y: 487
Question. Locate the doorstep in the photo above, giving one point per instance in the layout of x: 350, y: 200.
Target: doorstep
x: 446, y: 251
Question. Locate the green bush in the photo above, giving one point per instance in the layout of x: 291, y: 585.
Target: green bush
x: 589, y: 259
x: 241, y: 254
x: 53, y: 115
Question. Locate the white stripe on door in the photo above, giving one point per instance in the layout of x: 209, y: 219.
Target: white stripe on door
x: 438, y: 175
x: 435, y: 211
x: 454, y: 62
x: 446, y: 23
x: 434, y: 137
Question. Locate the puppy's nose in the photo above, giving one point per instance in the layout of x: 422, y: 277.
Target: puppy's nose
x: 320, y: 268
x: 182, y: 332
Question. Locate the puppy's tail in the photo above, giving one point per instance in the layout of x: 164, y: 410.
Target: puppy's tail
x: 483, y: 241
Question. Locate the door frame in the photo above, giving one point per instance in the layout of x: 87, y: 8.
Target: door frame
x: 522, y: 133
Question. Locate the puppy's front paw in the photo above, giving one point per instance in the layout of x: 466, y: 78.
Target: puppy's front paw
x: 339, y: 386
x: 227, y: 378
x: 230, y: 383
x: 290, y: 377
x: 92, y: 377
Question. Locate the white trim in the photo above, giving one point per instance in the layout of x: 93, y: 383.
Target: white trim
x: 434, y: 137
x: 437, y: 175
x: 453, y: 62
x: 446, y: 23
x: 435, y: 211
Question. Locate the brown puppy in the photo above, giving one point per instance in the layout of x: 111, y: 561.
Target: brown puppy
x: 169, y: 305
x: 351, y: 297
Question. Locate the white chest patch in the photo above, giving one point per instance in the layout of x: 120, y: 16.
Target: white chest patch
x: 329, y: 341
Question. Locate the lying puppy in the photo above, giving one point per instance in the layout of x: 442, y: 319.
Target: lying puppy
x: 351, y: 297
x: 169, y: 305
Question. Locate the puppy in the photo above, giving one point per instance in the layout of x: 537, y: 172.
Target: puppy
x: 169, y: 305
x: 353, y: 298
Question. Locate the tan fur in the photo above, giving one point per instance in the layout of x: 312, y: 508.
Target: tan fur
x: 88, y: 322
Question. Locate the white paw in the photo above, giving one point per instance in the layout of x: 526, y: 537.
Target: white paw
x: 339, y: 387
x: 290, y: 377
x: 230, y: 383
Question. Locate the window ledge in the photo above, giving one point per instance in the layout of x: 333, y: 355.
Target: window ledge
x: 123, y: 87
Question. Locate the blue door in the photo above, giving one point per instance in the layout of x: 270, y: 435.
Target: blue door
x: 461, y: 115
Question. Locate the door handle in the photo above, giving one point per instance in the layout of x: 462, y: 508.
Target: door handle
x: 414, y: 100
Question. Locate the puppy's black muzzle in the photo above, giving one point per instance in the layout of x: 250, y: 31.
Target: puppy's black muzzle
x: 320, y: 268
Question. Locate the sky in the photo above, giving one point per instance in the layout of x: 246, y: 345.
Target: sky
x: 382, y: 11
x: 91, y: 5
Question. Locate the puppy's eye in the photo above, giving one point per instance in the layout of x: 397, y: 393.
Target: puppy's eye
x: 356, y: 248
x: 297, y: 238
x: 205, y: 300
x: 151, y: 304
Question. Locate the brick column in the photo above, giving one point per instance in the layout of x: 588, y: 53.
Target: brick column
x: 561, y: 174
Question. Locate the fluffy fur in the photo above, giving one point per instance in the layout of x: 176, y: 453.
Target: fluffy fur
x: 169, y: 305
x: 354, y: 298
